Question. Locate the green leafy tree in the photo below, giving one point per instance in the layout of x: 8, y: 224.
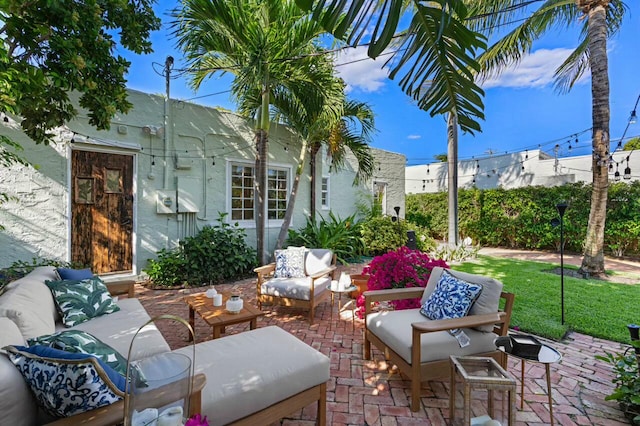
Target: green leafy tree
x: 270, y: 48
x: 50, y: 48
x: 631, y: 144
x: 598, y: 20
x: 442, y: 158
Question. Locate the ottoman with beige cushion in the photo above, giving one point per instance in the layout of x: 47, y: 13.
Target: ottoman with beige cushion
x: 259, y: 376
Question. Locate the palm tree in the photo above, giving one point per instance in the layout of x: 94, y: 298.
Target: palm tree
x: 435, y: 54
x: 351, y: 134
x: 599, y: 19
x: 436, y: 51
x: 269, y: 47
x: 343, y: 125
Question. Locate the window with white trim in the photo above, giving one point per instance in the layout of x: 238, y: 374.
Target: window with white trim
x: 242, y: 192
x: 277, y: 193
x: 324, y: 192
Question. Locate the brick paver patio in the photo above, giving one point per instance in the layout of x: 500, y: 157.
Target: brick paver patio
x: 372, y: 393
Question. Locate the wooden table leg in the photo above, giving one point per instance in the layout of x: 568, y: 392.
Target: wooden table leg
x: 192, y: 322
x: 253, y: 324
x: 467, y: 405
x: 490, y: 407
x: 216, y: 331
x: 332, y: 300
x: 549, y: 392
x: 512, y: 406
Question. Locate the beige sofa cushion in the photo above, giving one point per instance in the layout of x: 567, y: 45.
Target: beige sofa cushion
x: 394, y: 329
x: 117, y: 330
x: 16, y: 403
x: 250, y: 371
x: 488, y: 301
x: 28, y: 303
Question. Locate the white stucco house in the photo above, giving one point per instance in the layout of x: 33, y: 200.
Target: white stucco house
x: 113, y: 199
x: 514, y: 170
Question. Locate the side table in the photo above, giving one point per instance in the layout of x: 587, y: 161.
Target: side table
x: 480, y: 373
x: 546, y: 356
x: 340, y: 291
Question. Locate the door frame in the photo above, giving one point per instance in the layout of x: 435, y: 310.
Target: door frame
x: 88, y: 146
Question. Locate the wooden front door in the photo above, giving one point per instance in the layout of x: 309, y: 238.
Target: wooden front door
x: 102, y: 211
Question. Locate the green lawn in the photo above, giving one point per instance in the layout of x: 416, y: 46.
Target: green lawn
x: 592, y: 307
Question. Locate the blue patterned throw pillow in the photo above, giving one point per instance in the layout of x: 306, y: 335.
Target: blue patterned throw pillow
x: 65, y: 383
x: 81, y: 342
x: 290, y: 263
x: 452, y: 298
x: 79, y: 301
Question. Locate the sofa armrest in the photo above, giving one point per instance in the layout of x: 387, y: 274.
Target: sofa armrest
x: 124, y: 287
x: 114, y: 413
x: 464, y: 322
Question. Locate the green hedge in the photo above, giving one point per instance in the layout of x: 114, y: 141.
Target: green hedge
x: 521, y: 217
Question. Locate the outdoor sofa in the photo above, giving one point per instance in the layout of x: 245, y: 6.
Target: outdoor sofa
x: 254, y: 377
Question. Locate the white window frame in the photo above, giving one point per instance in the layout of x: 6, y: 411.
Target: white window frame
x: 325, y: 193
x: 251, y: 224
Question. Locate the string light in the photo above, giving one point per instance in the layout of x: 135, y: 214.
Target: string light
x: 627, y: 170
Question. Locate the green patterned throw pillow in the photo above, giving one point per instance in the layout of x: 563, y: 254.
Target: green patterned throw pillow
x: 77, y: 341
x: 80, y: 300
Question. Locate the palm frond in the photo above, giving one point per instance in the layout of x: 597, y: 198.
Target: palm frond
x: 436, y: 47
x: 574, y: 67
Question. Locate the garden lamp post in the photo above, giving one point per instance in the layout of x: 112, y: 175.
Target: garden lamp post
x: 561, y: 207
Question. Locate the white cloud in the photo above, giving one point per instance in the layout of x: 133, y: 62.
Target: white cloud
x: 535, y: 70
x: 360, y: 71
x: 414, y: 137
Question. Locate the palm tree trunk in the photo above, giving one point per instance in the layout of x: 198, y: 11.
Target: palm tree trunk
x: 593, y: 260
x: 262, y: 151
x: 314, y: 154
x: 452, y: 160
x: 292, y: 197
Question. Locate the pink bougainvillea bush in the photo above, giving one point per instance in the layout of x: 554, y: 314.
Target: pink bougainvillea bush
x: 399, y: 269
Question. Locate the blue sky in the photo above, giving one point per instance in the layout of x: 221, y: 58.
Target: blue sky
x: 522, y: 110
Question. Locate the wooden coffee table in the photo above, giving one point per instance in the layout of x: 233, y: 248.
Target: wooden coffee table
x: 217, y: 316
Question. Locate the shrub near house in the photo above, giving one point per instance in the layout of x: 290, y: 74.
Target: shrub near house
x: 216, y: 254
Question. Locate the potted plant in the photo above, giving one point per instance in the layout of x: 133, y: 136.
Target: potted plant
x: 627, y: 381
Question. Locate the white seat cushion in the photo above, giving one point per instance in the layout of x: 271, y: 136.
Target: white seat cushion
x: 250, y: 371
x: 117, y: 330
x: 394, y: 329
x: 294, y: 288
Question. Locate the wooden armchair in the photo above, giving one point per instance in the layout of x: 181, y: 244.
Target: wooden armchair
x: 302, y: 292
x: 406, y: 335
